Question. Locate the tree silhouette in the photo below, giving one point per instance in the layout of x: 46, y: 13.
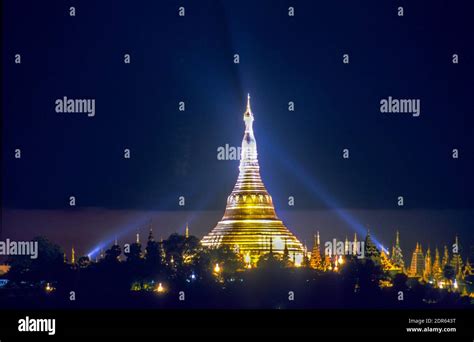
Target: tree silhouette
x: 113, y: 254
x: 47, y: 266
x: 449, y: 273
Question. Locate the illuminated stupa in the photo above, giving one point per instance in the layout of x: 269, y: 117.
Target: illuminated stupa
x: 250, y: 224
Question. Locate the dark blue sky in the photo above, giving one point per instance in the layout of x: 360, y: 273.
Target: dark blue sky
x: 281, y: 59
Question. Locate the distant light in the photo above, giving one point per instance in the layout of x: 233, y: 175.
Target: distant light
x: 298, y: 260
x: 160, y: 288
x: 49, y: 288
x: 217, y: 269
x: 340, y: 260
x: 248, y: 260
x: 455, y: 284
x: 278, y: 243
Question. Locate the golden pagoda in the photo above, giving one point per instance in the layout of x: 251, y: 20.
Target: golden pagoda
x: 417, y: 265
x: 250, y: 224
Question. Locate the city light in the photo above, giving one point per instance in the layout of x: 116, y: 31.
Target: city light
x: 160, y: 288
x: 49, y: 287
x: 340, y: 260
x: 248, y: 260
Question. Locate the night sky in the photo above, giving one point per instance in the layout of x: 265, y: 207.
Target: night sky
x: 282, y: 59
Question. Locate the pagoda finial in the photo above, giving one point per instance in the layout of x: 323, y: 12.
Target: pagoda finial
x: 150, y: 235
x: 316, y: 239
x: 248, y: 118
x: 73, y: 255
x: 186, y: 234
x: 138, y: 237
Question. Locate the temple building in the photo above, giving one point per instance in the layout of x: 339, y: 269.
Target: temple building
x: 371, y: 250
x: 397, y: 255
x: 417, y: 265
x: 316, y: 261
x: 428, y: 271
x: 250, y: 224
x: 445, y: 259
x: 456, y: 261
x: 437, y: 272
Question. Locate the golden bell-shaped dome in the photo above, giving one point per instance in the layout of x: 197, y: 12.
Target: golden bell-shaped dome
x: 250, y: 223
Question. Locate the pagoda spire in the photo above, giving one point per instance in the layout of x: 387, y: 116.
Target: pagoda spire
x: 428, y: 271
x: 417, y: 264
x: 248, y: 116
x: 397, y: 256
x: 370, y: 247
x: 249, y: 154
x: 316, y: 260
x: 186, y: 233
x: 248, y: 110
x: 354, y: 246
x: 456, y: 261
x: 445, y: 259
x: 150, y: 235
x: 437, y: 271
